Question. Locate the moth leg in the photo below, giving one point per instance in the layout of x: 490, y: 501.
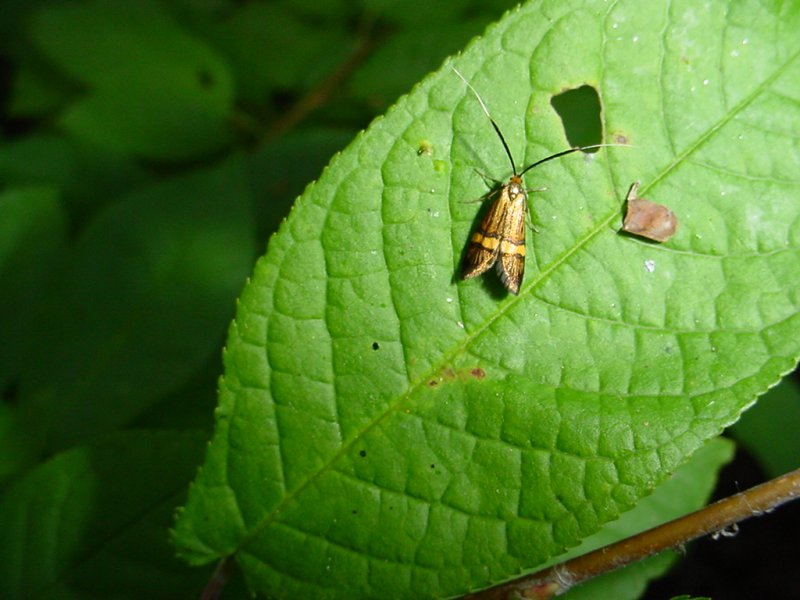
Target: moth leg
x: 487, y: 179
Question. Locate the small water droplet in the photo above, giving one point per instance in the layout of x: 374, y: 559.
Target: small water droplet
x: 635, y: 39
x: 449, y: 300
x: 615, y: 26
x: 705, y: 81
x: 650, y: 265
x: 745, y: 41
x: 734, y: 53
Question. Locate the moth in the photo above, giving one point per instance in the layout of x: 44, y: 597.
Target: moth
x: 500, y: 238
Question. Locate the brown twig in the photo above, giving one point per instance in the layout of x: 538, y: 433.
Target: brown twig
x: 714, y: 518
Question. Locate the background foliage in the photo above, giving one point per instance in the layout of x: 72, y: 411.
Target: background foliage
x: 148, y: 150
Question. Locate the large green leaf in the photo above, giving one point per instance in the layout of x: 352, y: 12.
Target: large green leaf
x: 384, y: 429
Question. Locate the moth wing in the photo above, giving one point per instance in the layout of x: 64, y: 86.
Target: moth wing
x: 484, y: 245
x: 478, y: 260
x: 511, y: 266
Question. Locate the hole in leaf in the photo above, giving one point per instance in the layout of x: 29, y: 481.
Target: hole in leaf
x: 579, y: 110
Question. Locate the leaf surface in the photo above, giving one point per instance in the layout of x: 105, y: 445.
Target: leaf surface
x: 386, y: 429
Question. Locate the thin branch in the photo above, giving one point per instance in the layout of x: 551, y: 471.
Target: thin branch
x: 717, y: 517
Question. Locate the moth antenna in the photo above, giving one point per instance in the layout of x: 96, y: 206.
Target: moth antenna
x: 569, y: 151
x: 491, y: 120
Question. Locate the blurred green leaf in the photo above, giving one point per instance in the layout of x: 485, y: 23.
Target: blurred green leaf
x: 90, y: 522
x: 189, y: 407
x: 769, y: 429
x: 153, y: 90
x: 142, y: 303
x: 270, y: 46
x: 32, y: 238
x: 412, y: 13
x: 12, y: 34
x: 37, y: 91
x: 87, y: 176
x: 315, y: 10
x: 408, y: 55
x: 278, y: 172
x: 384, y: 427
